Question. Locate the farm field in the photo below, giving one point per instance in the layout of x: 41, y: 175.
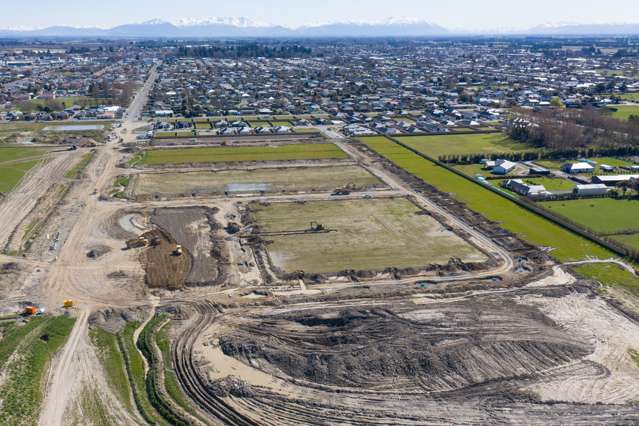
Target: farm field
x: 242, y: 154
x: 628, y: 240
x: 483, y: 143
x: 565, y: 245
x: 369, y: 235
x: 601, y: 215
x: 623, y: 112
x: 15, y: 162
x: 294, y: 179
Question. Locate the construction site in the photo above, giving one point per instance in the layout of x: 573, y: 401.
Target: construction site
x: 294, y: 280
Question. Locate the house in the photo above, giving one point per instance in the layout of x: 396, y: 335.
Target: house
x: 578, y: 168
x: 591, y: 190
x: 503, y: 167
x: 523, y: 188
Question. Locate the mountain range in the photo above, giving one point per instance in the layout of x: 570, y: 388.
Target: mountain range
x: 243, y: 27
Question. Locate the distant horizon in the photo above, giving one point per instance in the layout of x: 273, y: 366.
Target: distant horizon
x: 242, y: 22
x: 463, y: 15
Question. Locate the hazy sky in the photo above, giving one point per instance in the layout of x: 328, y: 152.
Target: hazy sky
x: 459, y: 14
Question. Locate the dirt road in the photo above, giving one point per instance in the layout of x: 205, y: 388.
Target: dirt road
x: 15, y: 208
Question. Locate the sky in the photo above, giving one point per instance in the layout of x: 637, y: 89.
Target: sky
x: 452, y: 14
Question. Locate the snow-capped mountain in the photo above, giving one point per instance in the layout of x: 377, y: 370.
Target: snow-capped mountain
x: 244, y: 27
x: 240, y: 27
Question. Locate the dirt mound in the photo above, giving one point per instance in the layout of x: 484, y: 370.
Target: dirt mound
x: 455, y: 347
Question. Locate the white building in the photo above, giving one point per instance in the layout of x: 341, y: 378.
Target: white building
x: 578, y: 168
x: 503, y: 167
x: 591, y: 190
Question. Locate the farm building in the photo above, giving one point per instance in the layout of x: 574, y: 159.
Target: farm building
x: 591, y: 190
x: 607, y: 168
x: 522, y: 188
x: 576, y: 168
x: 613, y: 180
x: 503, y: 167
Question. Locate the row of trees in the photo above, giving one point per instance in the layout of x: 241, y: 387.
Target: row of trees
x: 563, y: 129
x: 613, y: 151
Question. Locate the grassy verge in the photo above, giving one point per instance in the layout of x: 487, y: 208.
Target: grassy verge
x: 535, y: 229
x: 76, y: 171
x: 610, y: 275
x: 135, y: 370
x: 120, y: 185
x: 14, y: 335
x: 170, y: 378
x: 113, y: 362
x: 22, y: 391
x: 153, y: 385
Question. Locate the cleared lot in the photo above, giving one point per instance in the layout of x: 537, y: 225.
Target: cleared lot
x: 289, y: 152
x: 366, y: 235
x: 295, y: 179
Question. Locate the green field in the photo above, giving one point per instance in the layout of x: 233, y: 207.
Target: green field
x: 552, y: 184
x: 610, y: 274
x: 625, y: 111
x: 294, y: 179
x: 367, y: 235
x: 629, y: 240
x: 601, y: 215
x: 15, y: 162
x: 483, y: 143
x: 290, y: 152
x: 529, y: 226
x: 633, y: 97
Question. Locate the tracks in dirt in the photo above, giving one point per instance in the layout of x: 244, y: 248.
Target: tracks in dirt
x: 188, y: 374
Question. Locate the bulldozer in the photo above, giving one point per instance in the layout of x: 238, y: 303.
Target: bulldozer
x: 317, y: 227
x: 68, y: 304
x: 140, y: 242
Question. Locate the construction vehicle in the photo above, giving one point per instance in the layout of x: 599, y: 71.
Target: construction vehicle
x: 31, y: 310
x: 140, y: 242
x: 68, y: 304
x: 317, y: 227
x: 178, y: 250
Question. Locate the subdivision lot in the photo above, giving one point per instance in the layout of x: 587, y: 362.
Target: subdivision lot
x: 484, y: 143
x: 602, y: 215
x: 193, y: 229
x: 535, y: 229
x: 315, y: 151
x: 366, y: 235
x: 294, y: 179
x: 15, y: 162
